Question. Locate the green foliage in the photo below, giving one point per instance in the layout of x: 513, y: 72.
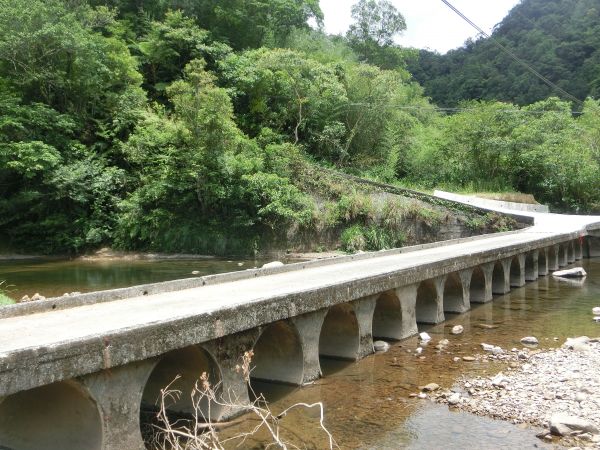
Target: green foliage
x: 4, y: 298
x: 196, y: 126
x: 558, y: 38
x: 361, y: 238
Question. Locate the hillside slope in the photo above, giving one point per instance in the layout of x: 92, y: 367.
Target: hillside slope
x: 559, y: 38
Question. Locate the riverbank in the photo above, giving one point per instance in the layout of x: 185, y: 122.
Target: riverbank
x: 557, y: 389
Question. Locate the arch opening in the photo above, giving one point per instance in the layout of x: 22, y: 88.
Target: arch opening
x: 278, y: 355
x: 427, y: 303
x: 562, y: 255
x: 552, y: 256
x: 571, y: 252
x: 453, y: 294
x: 477, y: 286
x: 387, y: 317
x: 187, y: 365
x: 531, y: 272
x: 498, y: 281
x: 515, y: 272
x: 53, y: 417
x: 340, y: 336
x: 542, y: 263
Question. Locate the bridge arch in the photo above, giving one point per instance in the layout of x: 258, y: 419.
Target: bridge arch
x: 453, y: 294
x: 531, y: 269
x: 340, y: 334
x: 427, y: 305
x: 498, y: 279
x: 53, y: 417
x: 552, y: 255
x: 516, y: 272
x: 570, y: 251
x: 542, y: 262
x: 477, y: 290
x: 187, y: 365
x: 387, y: 317
x: 278, y: 355
x: 562, y: 255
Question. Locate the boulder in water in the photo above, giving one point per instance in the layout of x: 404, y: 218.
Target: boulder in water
x: 575, y: 272
x: 272, y: 264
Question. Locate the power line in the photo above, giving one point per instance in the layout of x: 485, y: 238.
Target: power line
x: 454, y: 110
x: 512, y: 54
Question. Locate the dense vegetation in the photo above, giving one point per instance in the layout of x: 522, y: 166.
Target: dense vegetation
x: 558, y: 38
x: 181, y: 125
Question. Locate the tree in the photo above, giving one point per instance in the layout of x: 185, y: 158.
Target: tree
x: 372, y: 34
x: 377, y: 21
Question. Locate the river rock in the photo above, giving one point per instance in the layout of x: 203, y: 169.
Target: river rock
x: 272, y: 264
x: 575, y: 272
x: 419, y: 350
x: 596, y: 318
x: 457, y: 329
x: 37, y: 297
x: 596, y: 311
x: 454, y: 399
x: 562, y: 424
x: 381, y: 346
x: 430, y: 387
x: 24, y: 299
x: 195, y: 272
x: 486, y: 326
x: 577, y: 344
x: 529, y: 340
x: 424, y: 337
x: 444, y: 342
x: 469, y: 358
x: 492, y: 349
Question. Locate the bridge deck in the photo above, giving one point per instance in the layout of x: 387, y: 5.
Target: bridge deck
x: 89, y: 338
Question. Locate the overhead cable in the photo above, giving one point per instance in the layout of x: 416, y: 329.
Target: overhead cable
x: 512, y: 54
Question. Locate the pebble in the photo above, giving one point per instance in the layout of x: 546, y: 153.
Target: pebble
x: 195, y: 272
x: 560, y: 381
x: 419, y: 350
x: 424, y: 336
x: 596, y: 311
x: 430, y: 387
x: 381, y: 346
x: 529, y: 340
x: 457, y: 329
x: 454, y: 399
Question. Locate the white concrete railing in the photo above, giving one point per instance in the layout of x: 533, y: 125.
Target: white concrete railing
x: 491, y: 204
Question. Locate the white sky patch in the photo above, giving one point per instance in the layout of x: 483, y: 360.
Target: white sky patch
x: 430, y: 23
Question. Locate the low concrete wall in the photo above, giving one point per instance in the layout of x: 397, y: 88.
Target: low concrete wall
x: 493, y: 204
x: 59, y: 303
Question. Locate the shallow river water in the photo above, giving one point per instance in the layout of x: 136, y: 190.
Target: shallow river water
x: 367, y: 403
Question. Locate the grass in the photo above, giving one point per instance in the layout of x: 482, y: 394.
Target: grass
x: 5, y: 300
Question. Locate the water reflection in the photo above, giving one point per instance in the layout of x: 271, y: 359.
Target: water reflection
x: 54, y: 278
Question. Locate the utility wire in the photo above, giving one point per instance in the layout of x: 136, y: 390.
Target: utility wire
x: 512, y: 54
x: 453, y: 110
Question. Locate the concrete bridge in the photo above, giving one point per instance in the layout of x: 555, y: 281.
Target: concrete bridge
x: 77, y: 369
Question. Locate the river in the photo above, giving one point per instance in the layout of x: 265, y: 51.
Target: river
x: 367, y: 403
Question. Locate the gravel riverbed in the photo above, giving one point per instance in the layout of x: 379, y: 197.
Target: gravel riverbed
x: 557, y: 389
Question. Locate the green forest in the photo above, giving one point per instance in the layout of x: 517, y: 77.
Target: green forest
x: 197, y: 125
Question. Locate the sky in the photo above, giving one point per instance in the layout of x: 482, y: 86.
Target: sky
x: 430, y: 24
